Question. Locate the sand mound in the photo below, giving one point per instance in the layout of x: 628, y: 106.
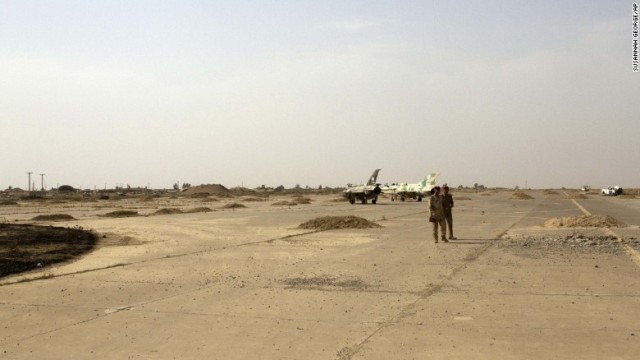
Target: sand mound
x: 53, y: 217
x: 168, y: 211
x: 605, y: 221
x: 8, y: 203
x: 550, y: 192
x: 233, y: 206
x: 252, y: 199
x: 241, y: 191
x: 121, y: 213
x: 338, y: 222
x: 299, y: 199
x: 519, y: 195
x: 200, y: 209
x: 209, y: 189
x: 462, y: 198
x: 284, y: 203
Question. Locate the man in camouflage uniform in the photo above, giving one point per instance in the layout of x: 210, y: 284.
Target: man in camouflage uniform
x: 436, y: 212
x: 447, y: 204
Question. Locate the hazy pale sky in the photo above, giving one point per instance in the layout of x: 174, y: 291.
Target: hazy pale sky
x: 500, y: 93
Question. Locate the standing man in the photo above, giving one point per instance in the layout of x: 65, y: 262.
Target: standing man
x: 447, y: 204
x: 436, y: 214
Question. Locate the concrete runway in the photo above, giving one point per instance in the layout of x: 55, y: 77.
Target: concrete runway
x: 247, y: 284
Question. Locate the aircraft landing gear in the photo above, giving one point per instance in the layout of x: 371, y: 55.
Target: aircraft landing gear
x: 419, y: 198
x: 352, y: 200
x: 374, y: 200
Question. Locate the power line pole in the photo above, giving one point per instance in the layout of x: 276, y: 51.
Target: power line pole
x: 29, y: 186
x: 42, y: 181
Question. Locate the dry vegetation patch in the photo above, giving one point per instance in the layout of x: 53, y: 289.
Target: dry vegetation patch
x: 520, y: 195
x: 338, y: 222
x: 8, y: 203
x: 26, y: 247
x: 53, y: 217
x: 603, y: 221
x: 462, y: 198
x: 121, y: 213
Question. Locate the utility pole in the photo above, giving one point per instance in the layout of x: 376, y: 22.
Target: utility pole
x: 29, y: 186
x: 42, y: 181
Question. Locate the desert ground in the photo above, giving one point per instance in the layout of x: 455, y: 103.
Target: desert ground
x: 539, y: 276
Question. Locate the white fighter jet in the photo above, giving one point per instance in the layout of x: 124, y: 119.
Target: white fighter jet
x: 364, y: 192
x: 416, y: 191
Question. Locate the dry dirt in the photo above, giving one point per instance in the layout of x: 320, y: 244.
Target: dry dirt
x: 604, y: 221
x: 519, y: 195
x: 338, y: 222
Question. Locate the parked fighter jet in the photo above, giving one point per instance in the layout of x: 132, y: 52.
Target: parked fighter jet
x: 412, y: 191
x: 364, y: 192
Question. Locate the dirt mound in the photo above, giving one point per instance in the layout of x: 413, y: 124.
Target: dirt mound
x: 241, y: 191
x: 233, y: 206
x: 209, y: 189
x: 200, y: 209
x: 284, y: 203
x: 168, y: 211
x: 252, y: 199
x: 8, y: 203
x: 550, y: 192
x: 121, y: 213
x: 299, y: 199
x: 338, y: 222
x: 53, y: 217
x: 519, y: 195
x: 462, y: 198
x: 603, y: 221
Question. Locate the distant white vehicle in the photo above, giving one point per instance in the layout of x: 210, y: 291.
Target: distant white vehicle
x: 611, y: 191
x: 586, y: 188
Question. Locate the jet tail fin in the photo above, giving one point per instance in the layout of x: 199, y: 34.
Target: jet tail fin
x: 431, y: 179
x: 374, y: 177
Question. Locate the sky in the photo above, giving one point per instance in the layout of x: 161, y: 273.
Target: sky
x: 97, y: 94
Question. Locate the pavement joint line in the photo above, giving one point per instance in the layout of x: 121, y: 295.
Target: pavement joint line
x: 170, y: 256
x: 115, y: 311
x: 635, y: 255
x: 347, y: 352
